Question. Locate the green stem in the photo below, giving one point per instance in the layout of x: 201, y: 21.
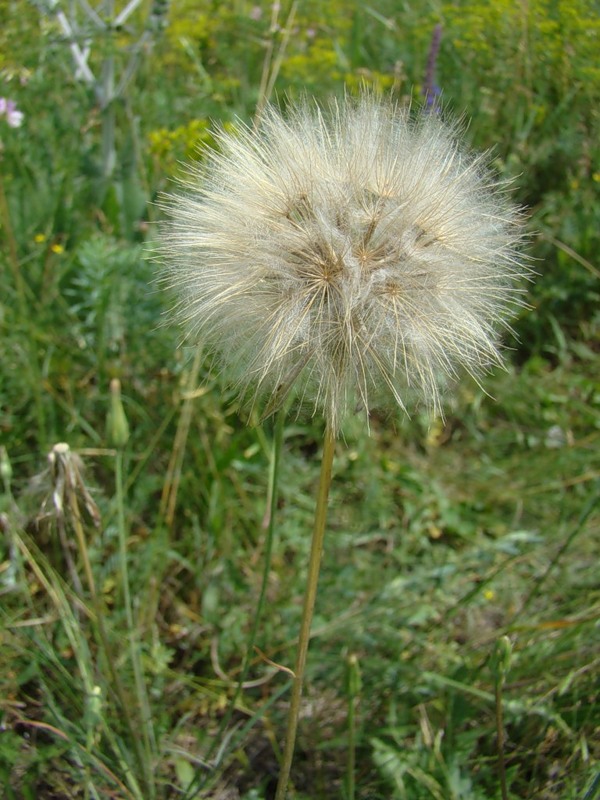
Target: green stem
x: 102, y: 637
x: 310, y: 596
x: 500, y: 739
x: 132, y: 634
x: 353, y: 689
x: 271, y: 506
x: 351, y: 749
x: 168, y: 500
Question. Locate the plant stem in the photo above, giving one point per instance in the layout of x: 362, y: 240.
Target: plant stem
x: 271, y: 507
x: 168, y: 500
x: 353, y: 689
x: 102, y: 638
x: 132, y: 633
x: 500, y: 739
x: 310, y: 595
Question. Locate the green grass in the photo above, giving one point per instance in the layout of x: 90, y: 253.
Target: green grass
x: 442, y: 538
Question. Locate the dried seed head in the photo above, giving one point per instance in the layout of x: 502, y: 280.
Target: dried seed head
x: 348, y: 255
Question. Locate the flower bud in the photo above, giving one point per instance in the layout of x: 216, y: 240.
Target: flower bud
x: 501, y: 658
x: 117, y: 427
x: 5, y: 469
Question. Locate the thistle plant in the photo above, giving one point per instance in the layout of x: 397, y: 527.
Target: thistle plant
x: 348, y: 257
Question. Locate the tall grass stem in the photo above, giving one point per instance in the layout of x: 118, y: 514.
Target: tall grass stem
x: 353, y: 691
x: 168, y: 500
x: 272, y: 495
x: 500, y: 665
x: 102, y: 636
x: 500, y: 740
x: 132, y: 633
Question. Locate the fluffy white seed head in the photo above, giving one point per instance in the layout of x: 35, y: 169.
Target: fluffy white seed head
x: 352, y: 255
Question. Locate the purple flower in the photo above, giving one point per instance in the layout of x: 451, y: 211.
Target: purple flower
x: 8, y: 108
x: 431, y: 91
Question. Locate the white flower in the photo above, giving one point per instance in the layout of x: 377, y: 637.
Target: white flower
x: 8, y: 108
x: 352, y: 255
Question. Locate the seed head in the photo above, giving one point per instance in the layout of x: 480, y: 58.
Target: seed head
x: 351, y: 255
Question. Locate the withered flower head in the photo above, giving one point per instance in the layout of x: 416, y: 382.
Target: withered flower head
x: 351, y: 255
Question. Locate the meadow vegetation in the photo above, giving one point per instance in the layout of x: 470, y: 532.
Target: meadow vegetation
x: 459, y: 596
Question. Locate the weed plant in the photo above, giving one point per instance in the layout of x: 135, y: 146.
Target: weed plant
x: 445, y: 537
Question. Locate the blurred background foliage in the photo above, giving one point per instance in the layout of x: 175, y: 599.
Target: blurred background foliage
x: 444, y: 535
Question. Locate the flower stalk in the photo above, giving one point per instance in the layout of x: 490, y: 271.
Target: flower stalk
x: 353, y: 257
x: 310, y: 596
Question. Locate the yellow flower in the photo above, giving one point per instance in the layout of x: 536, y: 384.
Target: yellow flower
x: 57, y: 248
x: 39, y: 238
